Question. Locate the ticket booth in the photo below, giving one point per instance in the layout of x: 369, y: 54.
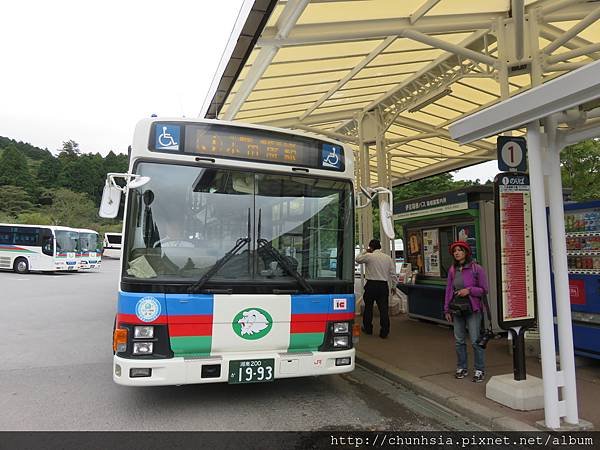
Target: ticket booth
x: 429, y: 225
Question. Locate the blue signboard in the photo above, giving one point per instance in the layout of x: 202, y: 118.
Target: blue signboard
x: 167, y: 136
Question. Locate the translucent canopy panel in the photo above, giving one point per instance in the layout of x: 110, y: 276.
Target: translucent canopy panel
x: 413, y: 66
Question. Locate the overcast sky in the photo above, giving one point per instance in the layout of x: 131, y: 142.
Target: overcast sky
x: 89, y: 71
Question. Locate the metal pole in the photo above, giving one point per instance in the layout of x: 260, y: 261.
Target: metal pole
x: 561, y: 276
x: 518, y: 345
x: 382, y: 179
x: 542, y: 272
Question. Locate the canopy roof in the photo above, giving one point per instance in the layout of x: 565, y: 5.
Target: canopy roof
x: 412, y: 67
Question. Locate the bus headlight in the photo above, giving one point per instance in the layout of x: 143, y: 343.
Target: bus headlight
x: 142, y: 348
x: 340, y: 341
x: 340, y: 327
x: 143, y: 332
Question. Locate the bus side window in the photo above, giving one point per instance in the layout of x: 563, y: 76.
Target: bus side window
x: 6, y: 235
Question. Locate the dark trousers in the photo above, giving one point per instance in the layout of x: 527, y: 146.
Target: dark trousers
x: 377, y: 291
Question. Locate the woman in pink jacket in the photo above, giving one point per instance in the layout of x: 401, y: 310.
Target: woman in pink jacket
x: 467, y: 284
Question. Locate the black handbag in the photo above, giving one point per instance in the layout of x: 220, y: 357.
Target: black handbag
x: 461, y: 306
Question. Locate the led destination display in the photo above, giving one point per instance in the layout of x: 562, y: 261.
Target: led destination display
x: 221, y: 141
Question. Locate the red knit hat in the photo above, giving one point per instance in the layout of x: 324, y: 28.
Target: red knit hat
x: 461, y: 244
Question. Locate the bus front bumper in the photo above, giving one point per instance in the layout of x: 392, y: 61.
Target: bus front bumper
x: 176, y: 371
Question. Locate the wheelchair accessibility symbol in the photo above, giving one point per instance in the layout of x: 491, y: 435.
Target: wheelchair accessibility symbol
x: 331, y: 156
x: 167, y: 137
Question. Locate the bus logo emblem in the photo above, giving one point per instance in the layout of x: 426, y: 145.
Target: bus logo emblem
x: 252, y: 323
x: 167, y: 137
x: 147, y: 309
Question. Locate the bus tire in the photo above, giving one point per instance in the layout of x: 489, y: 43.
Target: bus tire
x: 21, y: 265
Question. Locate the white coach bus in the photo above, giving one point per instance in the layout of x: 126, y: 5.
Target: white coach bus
x: 90, y: 249
x: 25, y: 248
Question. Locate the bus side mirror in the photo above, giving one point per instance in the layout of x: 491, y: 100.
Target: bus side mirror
x: 111, y: 199
x: 386, y: 217
x: 111, y: 195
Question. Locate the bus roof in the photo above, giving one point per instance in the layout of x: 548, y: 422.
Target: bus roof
x: 143, y: 142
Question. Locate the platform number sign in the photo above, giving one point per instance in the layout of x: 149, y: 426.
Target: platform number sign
x: 512, y: 154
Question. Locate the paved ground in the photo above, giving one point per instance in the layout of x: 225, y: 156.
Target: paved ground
x: 422, y: 354
x: 55, y: 343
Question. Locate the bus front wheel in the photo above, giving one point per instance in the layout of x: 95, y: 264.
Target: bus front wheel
x: 21, y: 265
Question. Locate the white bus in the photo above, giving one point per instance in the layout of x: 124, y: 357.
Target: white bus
x: 112, y: 241
x: 90, y: 249
x: 229, y: 233
x: 25, y: 248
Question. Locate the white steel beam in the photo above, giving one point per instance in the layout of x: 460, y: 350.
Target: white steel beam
x: 288, y: 18
x: 573, y: 31
x: 581, y: 51
x: 428, y: 68
x: 518, y: 14
x: 376, y: 29
x: 423, y: 9
x: 550, y: 33
x: 449, y: 47
x: 361, y: 65
x: 560, y: 94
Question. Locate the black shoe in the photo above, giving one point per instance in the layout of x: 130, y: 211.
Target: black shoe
x: 364, y: 330
x: 383, y: 336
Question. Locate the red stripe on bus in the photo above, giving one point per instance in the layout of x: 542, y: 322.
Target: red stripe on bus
x: 307, y: 327
x: 190, y: 329
x: 341, y: 316
x: 197, y: 318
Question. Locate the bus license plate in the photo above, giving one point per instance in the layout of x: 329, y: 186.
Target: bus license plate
x: 251, y: 371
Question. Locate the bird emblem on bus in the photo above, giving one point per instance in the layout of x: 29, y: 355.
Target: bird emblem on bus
x: 252, y: 323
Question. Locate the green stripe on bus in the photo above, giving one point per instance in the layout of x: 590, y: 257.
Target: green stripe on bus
x: 300, y: 342
x: 191, y: 345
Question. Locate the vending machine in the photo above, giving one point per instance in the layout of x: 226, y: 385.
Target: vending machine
x: 582, y: 228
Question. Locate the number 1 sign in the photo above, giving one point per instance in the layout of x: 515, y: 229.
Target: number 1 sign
x: 512, y: 152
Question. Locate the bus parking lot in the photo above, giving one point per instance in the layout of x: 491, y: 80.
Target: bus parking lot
x: 56, y: 375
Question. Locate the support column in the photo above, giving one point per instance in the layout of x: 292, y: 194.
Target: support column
x: 382, y: 178
x: 542, y: 273
x: 561, y: 276
x: 365, y: 214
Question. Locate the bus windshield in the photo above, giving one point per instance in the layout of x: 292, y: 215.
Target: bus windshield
x: 89, y: 242
x: 66, y: 241
x: 245, y: 226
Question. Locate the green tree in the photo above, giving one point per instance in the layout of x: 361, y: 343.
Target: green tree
x: 14, y: 169
x: 70, y: 149
x: 48, y: 171
x: 72, y: 209
x: 580, y: 170
x: 14, y: 200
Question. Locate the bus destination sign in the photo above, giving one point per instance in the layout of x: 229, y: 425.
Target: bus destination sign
x: 222, y: 141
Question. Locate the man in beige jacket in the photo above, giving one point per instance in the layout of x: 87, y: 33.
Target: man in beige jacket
x: 380, y: 272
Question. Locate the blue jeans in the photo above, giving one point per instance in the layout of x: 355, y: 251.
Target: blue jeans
x: 473, y: 323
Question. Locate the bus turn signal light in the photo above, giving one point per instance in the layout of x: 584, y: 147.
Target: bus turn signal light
x: 120, y: 340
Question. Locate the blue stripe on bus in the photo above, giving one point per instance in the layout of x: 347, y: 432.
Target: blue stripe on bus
x: 128, y: 301
x: 321, y: 303
x: 190, y: 304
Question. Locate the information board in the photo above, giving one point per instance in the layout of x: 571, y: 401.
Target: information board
x: 431, y: 252
x: 514, y: 245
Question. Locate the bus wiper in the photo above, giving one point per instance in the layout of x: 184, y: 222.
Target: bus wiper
x: 263, y: 244
x: 239, y: 244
